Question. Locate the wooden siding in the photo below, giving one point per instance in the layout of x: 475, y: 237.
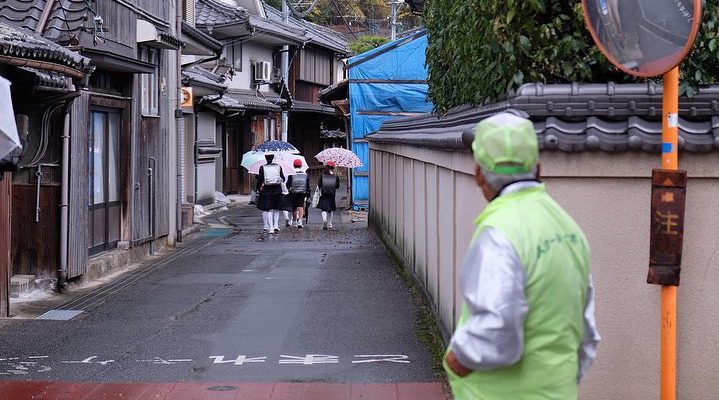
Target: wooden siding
x: 152, y: 141
x: 78, y: 235
x: 5, y: 219
x: 35, y: 246
x: 156, y: 8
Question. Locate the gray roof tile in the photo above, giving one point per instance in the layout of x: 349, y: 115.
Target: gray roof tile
x: 318, y: 35
x: 255, y: 100
x: 196, y: 74
x: 575, y: 117
x: 22, y: 43
x: 216, y: 13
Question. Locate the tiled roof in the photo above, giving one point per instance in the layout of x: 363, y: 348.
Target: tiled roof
x: 216, y: 13
x: 47, y: 79
x: 66, y: 16
x: 199, y: 75
x: 255, y: 100
x: 201, y: 37
x: 575, y: 117
x: 20, y: 43
x: 317, y: 34
x: 338, y: 90
x: 306, y: 106
x: 278, y: 28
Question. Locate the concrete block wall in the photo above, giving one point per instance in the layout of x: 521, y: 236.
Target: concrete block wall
x: 425, y: 202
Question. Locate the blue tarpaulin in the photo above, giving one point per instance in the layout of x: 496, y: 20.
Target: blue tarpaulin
x: 385, y: 83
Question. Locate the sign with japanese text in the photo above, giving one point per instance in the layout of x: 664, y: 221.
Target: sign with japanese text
x: 667, y: 226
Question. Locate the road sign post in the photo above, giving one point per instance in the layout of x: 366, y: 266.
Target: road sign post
x: 648, y: 38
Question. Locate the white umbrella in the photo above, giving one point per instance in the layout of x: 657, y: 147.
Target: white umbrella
x: 9, y: 139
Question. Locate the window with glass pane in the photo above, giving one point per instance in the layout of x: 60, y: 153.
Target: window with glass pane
x: 113, y: 154
x: 97, y: 149
x: 149, y: 82
x: 233, y: 53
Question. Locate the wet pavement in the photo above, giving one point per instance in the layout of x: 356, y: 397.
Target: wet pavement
x: 233, y: 313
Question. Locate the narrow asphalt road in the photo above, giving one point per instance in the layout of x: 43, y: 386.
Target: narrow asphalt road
x: 235, y: 306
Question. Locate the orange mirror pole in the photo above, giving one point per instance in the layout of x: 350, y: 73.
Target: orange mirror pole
x: 670, y: 160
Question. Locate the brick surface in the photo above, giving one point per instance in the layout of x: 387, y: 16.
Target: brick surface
x: 421, y: 391
x: 373, y: 391
x: 325, y: 391
x: 35, y: 390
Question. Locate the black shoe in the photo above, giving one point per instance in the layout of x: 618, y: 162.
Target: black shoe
x: 324, y: 226
x: 287, y: 223
x: 277, y: 231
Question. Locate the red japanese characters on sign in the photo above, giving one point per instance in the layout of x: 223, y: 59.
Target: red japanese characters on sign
x: 667, y: 226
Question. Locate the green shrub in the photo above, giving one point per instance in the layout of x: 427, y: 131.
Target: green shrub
x: 482, y: 50
x: 367, y: 43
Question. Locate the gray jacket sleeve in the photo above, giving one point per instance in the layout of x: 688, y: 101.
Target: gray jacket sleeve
x: 588, y: 349
x: 492, y: 282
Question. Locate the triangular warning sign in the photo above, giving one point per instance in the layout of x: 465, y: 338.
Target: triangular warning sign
x: 667, y: 182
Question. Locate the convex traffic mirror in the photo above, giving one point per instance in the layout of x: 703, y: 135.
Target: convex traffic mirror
x: 643, y: 37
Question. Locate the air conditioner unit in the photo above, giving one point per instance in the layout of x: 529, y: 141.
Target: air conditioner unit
x: 263, y: 71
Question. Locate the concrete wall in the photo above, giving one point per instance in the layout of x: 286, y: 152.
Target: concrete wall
x: 425, y: 201
x: 251, y: 52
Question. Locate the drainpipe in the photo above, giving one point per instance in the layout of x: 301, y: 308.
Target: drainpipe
x: 285, y: 67
x: 180, y: 131
x: 64, y: 200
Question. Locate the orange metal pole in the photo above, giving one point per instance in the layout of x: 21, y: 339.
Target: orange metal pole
x: 670, y: 160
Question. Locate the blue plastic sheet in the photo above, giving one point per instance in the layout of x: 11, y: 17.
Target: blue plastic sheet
x: 398, y: 66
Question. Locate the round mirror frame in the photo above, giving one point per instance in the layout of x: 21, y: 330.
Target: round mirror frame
x: 683, y: 54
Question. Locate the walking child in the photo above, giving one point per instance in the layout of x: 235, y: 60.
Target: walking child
x: 269, y: 187
x: 328, y: 184
x: 299, y: 187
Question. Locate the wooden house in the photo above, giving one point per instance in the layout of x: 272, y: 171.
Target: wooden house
x: 118, y: 124
x: 43, y: 77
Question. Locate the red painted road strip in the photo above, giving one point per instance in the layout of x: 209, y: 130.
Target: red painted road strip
x: 38, y: 390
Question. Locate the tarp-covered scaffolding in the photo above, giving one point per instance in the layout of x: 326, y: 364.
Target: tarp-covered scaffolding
x: 388, y: 82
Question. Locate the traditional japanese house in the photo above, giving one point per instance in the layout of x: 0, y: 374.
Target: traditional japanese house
x: 44, y: 77
x: 254, y: 34
x: 118, y: 131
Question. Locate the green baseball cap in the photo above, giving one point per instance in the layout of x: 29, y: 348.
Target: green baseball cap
x: 506, y: 144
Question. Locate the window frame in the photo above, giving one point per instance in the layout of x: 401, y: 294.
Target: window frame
x: 149, y: 83
x: 232, y: 51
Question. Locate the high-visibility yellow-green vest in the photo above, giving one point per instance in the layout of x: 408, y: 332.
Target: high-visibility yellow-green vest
x: 555, y: 255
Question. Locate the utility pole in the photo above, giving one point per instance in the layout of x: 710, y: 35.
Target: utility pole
x: 393, y: 18
x: 285, y: 69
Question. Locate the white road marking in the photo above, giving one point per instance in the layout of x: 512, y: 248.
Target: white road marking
x: 162, y: 361
x: 89, y: 360
x: 310, y: 359
x: 375, y: 358
x: 34, y: 357
x: 240, y: 360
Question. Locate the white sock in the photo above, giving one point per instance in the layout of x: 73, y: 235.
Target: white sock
x: 266, y: 219
x: 287, y: 216
x: 324, y: 216
x: 332, y: 215
x: 276, y: 218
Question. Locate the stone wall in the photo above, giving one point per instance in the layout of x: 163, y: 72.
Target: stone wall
x: 424, y: 201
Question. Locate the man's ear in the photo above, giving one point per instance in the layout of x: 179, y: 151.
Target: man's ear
x: 478, y: 177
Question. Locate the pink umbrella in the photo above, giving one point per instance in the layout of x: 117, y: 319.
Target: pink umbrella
x: 341, y: 157
x: 284, y: 160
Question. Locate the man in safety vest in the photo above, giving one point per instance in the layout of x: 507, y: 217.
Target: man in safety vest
x: 527, y: 328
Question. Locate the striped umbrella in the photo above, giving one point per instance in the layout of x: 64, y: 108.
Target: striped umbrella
x: 341, y: 157
x: 275, y: 147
